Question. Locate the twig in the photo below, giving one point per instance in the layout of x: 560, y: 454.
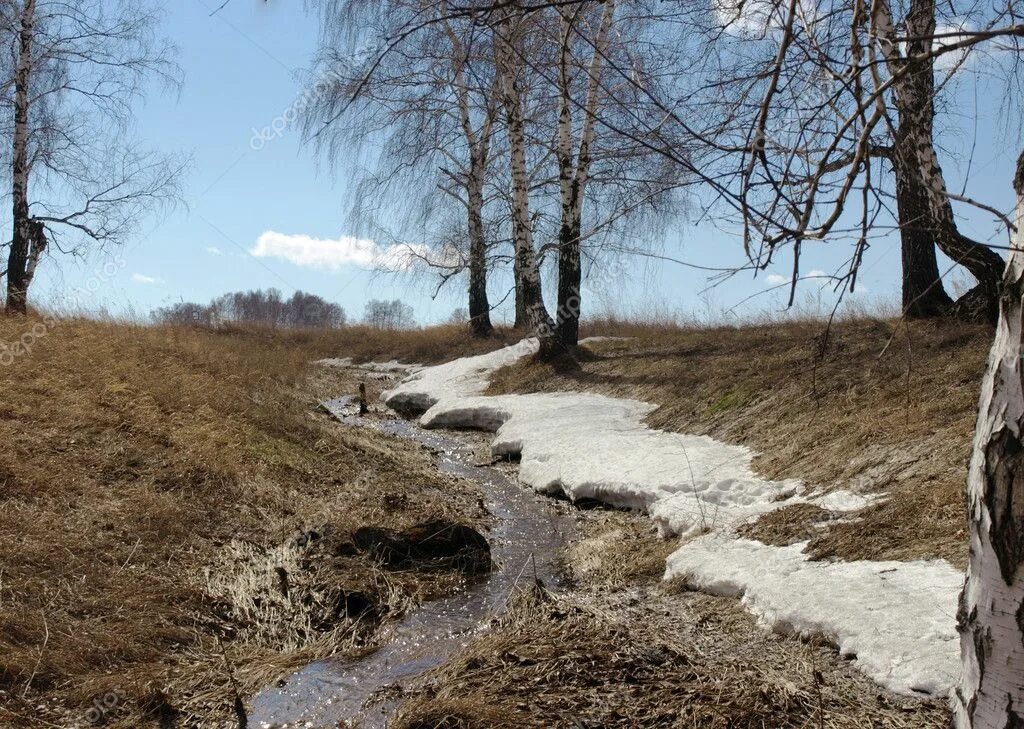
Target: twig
x: 46, y: 639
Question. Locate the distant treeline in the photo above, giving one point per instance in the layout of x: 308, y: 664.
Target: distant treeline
x: 269, y: 308
x: 265, y: 307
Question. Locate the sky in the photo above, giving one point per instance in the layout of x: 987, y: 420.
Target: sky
x: 260, y: 204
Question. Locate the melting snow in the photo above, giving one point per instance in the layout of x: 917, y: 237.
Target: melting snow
x: 897, y: 618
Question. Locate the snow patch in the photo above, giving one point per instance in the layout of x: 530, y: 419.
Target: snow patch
x: 453, y: 380
x: 897, y: 620
x: 590, y: 446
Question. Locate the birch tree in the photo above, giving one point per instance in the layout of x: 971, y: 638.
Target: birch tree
x: 432, y: 97
x: 508, y: 34
x: 574, y: 161
x: 75, y: 181
x: 991, y: 613
x: 923, y: 196
x: 478, y: 145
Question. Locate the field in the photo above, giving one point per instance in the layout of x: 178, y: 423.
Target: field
x: 157, y: 481
x: 153, y: 479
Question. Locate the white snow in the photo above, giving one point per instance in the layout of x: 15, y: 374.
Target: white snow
x: 453, y: 380
x: 843, y: 501
x: 897, y: 618
x: 591, y: 446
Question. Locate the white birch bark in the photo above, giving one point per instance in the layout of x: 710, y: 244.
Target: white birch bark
x: 527, y: 268
x: 991, y: 614
x: 18, y: 262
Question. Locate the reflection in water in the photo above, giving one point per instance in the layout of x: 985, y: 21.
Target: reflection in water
x: 526, y: 539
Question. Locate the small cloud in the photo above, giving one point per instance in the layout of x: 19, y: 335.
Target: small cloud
x: 334, y: 254
x: 949, y: 34
x: 214, y: 251
x: 148, y: 280
x: 759, y: 18
x: 776, y: 280
x: 816, y: 274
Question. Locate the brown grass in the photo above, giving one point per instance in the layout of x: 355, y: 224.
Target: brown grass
x: 153, y: 484
x: 676, y: 660
x: 868, y: 405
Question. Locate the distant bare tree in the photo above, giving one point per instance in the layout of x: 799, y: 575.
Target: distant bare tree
x: 458, y: 316
x: 394, y: 314
x: 265, y: 307
x: 77, y: 68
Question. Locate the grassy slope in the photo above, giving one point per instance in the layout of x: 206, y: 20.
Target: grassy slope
x: 627, y: 650
x: 150, y: 481
x: 872, y: 406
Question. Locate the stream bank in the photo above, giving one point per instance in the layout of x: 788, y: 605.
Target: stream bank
x: 527, y: 538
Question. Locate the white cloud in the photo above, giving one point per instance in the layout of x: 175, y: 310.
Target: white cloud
x: 774, y: 279
x: 214, y: 251
x: 952, y: 34
x: 334, y: 254
x: 148, y: 280
x: 756, y: 18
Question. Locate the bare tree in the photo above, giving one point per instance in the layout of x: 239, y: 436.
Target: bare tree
x: 508, y: 37
x: 574, y: 164
x: 433, y: 99
x: 394, y: 314
x: 77, y: 69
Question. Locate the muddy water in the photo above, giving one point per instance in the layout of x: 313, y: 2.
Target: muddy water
x: 528, y: 534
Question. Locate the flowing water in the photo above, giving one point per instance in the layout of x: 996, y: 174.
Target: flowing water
x: 528, y: 534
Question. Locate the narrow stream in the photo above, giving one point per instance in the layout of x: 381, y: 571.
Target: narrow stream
x: 528, y: 534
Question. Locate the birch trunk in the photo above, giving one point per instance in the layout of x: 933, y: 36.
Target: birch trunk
x: 526, y: 266
x: 919, y: 176
x: 574, y: 175
x: 18, y: 274
x: 479, y: 308
x: 923, y: 292
x: 479, y: 148
x: 991, y: 614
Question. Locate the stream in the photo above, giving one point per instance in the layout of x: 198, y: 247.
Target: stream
x: 527, y: 536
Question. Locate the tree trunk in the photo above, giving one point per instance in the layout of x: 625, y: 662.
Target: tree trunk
x: 528, y: 283
x: 479, y: 149
x: 522, y: 320
x: 479, y: 308
x: 923, y: 293
x: 991, y: 614
x: 570, y: 280
x: 574, y: 174
x: 18, y: 275
x: 924, y: 206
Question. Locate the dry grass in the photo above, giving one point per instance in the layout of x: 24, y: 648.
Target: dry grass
x: 869, y: 405
x: 680, y: 660
x: 618, y: 551
x: 432, y: 345
x: 156, y: 482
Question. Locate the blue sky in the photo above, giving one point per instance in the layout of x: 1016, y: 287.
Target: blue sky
x: 243, y: 70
